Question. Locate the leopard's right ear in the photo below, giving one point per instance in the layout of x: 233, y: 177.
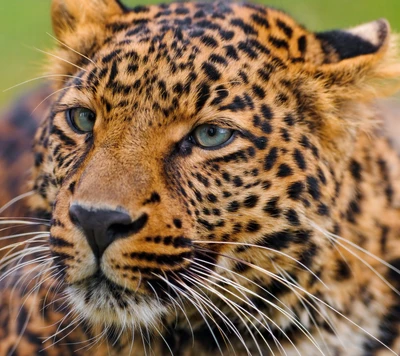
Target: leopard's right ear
x: 74, y: 17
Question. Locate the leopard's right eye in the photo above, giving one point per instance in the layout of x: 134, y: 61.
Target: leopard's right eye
x: 81, y: 120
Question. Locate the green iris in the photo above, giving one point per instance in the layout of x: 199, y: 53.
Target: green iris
x: 210, y: 136
x: 81, y: 119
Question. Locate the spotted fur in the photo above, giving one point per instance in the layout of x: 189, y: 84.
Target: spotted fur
x: 284, y: 240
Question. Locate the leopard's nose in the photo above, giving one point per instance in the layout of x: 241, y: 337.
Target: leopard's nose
x: 101, y: 226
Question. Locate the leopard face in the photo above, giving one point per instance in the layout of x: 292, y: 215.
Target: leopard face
x: 195, y: 155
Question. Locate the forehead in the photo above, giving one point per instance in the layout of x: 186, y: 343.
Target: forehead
x: 180, y: 56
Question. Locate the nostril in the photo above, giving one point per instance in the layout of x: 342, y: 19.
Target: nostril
x: 124, y: 230
x: 101, y: 227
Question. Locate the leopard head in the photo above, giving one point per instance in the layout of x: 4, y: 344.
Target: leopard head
x: 194, y: 150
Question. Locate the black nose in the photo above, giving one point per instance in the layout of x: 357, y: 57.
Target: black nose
x: 102, y: 227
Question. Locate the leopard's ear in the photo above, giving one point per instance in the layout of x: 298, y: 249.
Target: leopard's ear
x: 362, y: 62
x: 70, y: 17
x: 366, y: 39
x: 81, y: 27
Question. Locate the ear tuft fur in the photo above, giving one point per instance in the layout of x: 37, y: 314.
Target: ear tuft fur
x: 68, y: 16
x: 363, y: 62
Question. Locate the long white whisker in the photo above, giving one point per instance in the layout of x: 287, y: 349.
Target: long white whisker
x: 71, y: 49
x: 58, y: 57
x: 52, y: 94
x: 311, y: 296
x: 41, y: 77
x: 16, y: 199
x: 264, y: 248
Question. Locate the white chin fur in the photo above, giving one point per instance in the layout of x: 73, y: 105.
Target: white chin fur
x: 103, y: 309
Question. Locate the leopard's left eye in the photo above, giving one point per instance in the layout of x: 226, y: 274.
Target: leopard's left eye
x: 211, y: 136
x: 81, y: 120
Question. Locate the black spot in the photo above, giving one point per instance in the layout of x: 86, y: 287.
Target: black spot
x: 287, y: 30
x: 307, y: 256
x: 211, y: 71
x: 278, y: 42
x: 237, y: 181
x: 202, y: 96
x: 247, y: 48
x: 258, y: 91
x: 266, y: 112
x: 356, y: 170
x: 313, y: 187
x: 271, y: 158
x: 260, y: 143
x: 321, y: 176
x: 226, y: 35
x: 292, y: 217
x: 177, y: 223
x: 384, y: 237
x: 214, y: 58
x: 272, y: 208
x: 253, y: 226
x: 260, y: 20
x: 266, y: 184
x: 302, y: 44
x: 154, y: 198
x: 38, y: 159
x: 241, y: 267
x: 71, y: 187
x: 212, y: 198
x: 343, y: 271
x: 299, y: 158
x: 209, y: 41
x: 247, y: 29
x: 295, y: 190
x: 59, y: 242
x: 109, y: 57
x: 323, y: 209
x: 277, y: 240
x: 251, y: 201
x: 231, y: 52
x: 233, y: 206
x: 289, y: 120
x: 284, y: 171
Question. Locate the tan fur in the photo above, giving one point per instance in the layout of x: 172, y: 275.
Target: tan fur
x: 299, y: 210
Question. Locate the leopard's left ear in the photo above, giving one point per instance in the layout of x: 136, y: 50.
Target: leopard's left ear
x: 362, y: 62
x: 73, y: 17
x: 81, y: 27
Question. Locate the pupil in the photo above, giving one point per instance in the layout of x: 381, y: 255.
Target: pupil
x: 212, y: 131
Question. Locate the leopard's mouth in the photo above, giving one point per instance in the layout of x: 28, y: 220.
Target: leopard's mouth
x: 102, y: 302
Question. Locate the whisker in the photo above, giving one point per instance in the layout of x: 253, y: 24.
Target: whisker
x: 296, y: 322
x: 16, y: 199
x: 198, y: 307
x: 58, y: 57
x: 71, y: 49
x: 236, y: 309
x: 311, y: 296
x: 41, y: 77
x: 27, y: 221
x: 50, y: 95
x: 263, y: 248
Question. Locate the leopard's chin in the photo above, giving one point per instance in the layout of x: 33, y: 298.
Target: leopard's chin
x: 101, y: 302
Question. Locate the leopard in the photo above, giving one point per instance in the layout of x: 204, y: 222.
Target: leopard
x: 205, y: 178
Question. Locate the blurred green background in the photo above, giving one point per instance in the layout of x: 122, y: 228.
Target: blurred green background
x: 24, y: 24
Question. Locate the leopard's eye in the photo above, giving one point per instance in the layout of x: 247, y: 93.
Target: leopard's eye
x: 81, y: 119
x: 211, y: 136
